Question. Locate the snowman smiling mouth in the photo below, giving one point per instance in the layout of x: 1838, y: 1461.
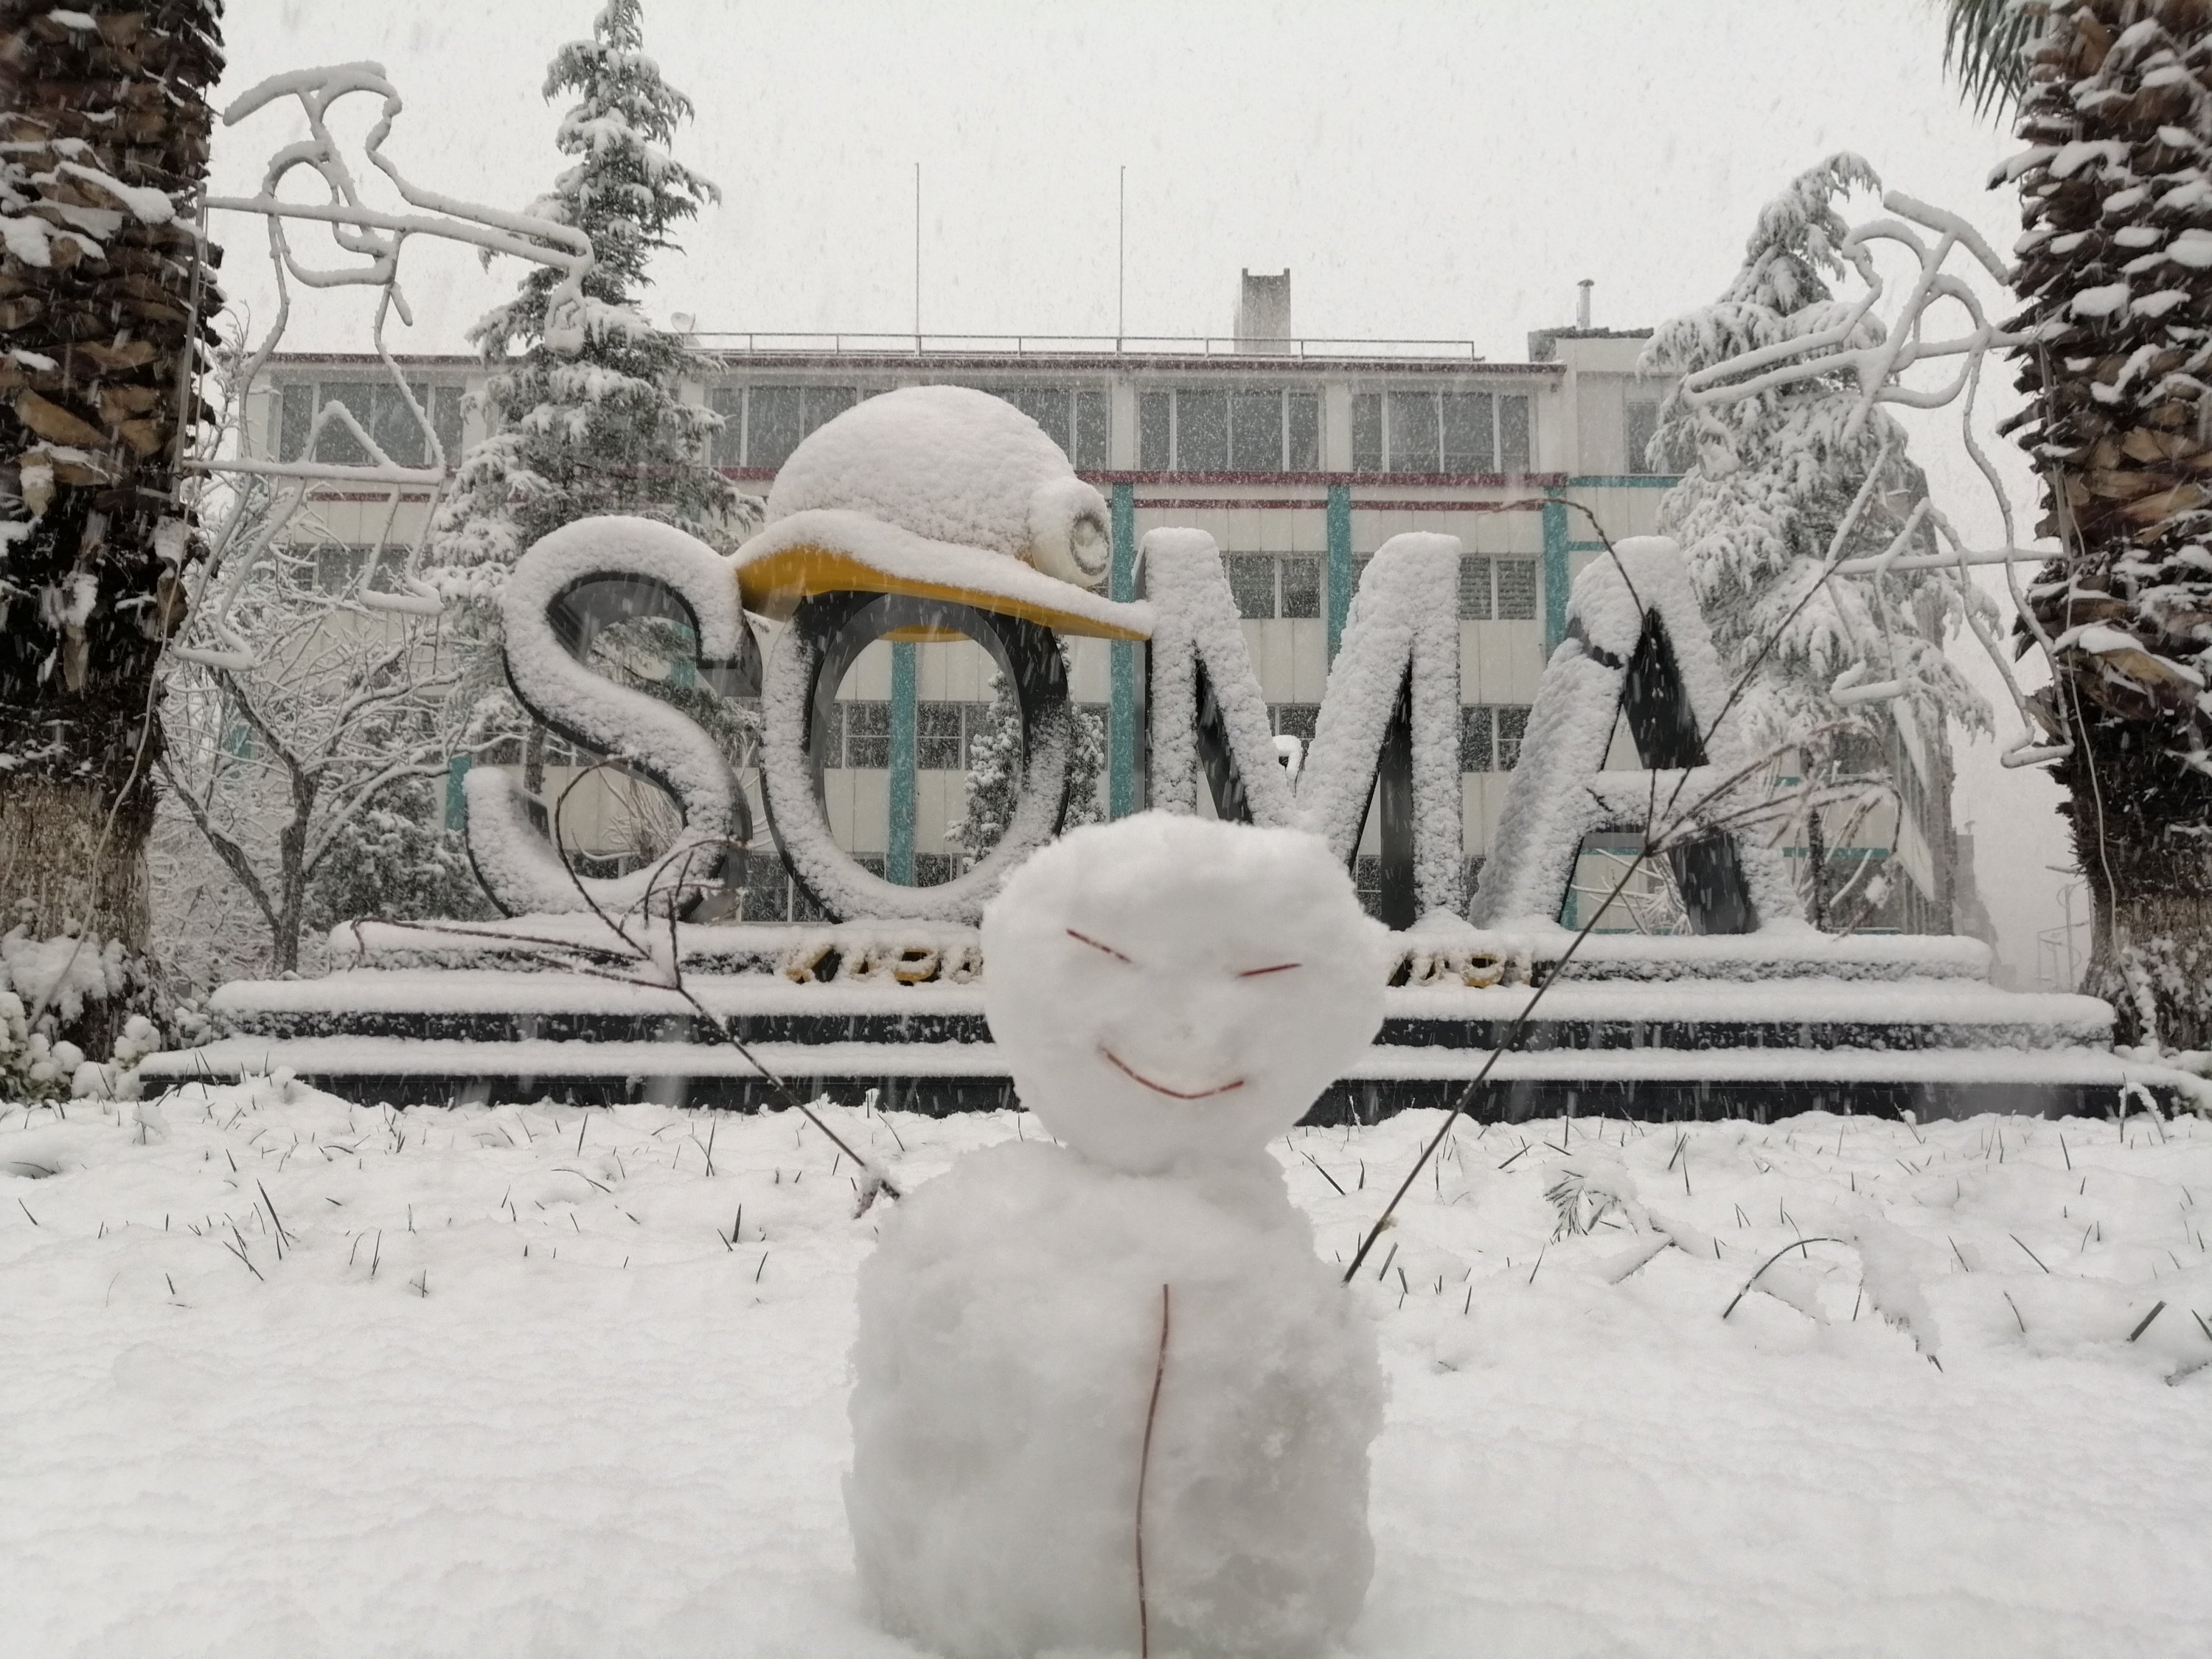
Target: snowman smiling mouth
x: 1128, y: 1071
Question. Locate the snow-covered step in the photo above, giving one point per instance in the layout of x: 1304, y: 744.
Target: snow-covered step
x: 504, y: 1005
x: 943, y: 1077
x: 865, y: 952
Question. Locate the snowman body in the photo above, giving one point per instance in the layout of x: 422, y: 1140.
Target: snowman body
x: 1072, y: 1355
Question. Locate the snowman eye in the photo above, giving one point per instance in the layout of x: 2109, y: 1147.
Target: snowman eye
x: 1085, y: 939
x: 1279, y: 968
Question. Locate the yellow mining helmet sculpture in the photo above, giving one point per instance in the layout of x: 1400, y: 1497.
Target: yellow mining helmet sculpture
x: 938, y: 493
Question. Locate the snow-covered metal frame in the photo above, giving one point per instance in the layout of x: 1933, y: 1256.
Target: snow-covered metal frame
x: 372, y: 241
x: 1879, y: 358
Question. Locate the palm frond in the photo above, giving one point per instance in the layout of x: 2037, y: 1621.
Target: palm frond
x: 1985, y: 43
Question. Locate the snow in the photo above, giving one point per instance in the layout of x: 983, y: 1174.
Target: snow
x: 635, y: 1446
x: 2100, y: 301
x: 1010, y: 1330
x: 1162, y: 959
x: 1196, y: 628
x: 951, y: 464
x: 1402, y: 638
x: 516, y: 861
x: 61, y: 974
x: 1128, y: 1334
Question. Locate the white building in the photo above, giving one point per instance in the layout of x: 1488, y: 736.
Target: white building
x: 1299, y: 457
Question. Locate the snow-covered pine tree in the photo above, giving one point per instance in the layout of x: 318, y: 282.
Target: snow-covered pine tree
x: 585, y: 410
x: 994, y: 772
x: 1767, y: 481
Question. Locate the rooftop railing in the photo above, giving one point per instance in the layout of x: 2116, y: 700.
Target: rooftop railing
x: 750, y: 343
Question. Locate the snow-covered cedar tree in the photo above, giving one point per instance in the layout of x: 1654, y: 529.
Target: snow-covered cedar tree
x: 102, y: 284
x: 1767, y: 482
x: 585, y: 407
x: 397, y: 859
x: 994, y: 772
x: 2115, y: 274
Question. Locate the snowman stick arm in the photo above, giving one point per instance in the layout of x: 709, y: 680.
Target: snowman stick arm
x: 875, y: 1180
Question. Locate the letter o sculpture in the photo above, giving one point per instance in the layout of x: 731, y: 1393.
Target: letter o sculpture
x: 826, y: 635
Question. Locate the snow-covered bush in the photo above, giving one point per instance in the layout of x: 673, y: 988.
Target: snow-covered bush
x: 45, y: 986
x: 397, y: 859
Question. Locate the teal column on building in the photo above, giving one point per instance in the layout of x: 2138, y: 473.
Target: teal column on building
x: 1121, y: 665
x: 1556, y: 579
x: 1340, y: 564
x: 898, y: 861
x: 457, y: 807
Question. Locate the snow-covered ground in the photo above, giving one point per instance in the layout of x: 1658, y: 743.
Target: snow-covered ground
x: 511, y: 1388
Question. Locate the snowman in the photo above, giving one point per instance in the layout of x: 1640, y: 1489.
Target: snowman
x: 1107, y: 1398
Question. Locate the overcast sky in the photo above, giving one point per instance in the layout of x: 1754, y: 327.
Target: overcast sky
x: 1425, y: 171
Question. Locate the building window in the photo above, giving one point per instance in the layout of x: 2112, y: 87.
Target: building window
x: 1513, y: 726
x: 1411, y: 422
x: 937, y: 741
x: 1475, y: 729
x: 1470, y: 443
x: 779, y: 417
x: 727, y: 447
x: 1156, y: 431
x: 1474, y: 589
x: 1367, y: 432
x: 1266, y: 586
x: 867, y: 735
x: 338, y: 566
x: 1454, y: 432
x: 1296, y: 720
x: 1252, y: 583
x: 1516, y: 590
x: 1516, y: 451
x: 1076, y: 418
x: 1243, y: 429
x: 1302, y: 432
x: 1367, y: 882
x: 934, y: 869
x: 1490, y: 736
x: 383, y: 412
x: 1639, y: 422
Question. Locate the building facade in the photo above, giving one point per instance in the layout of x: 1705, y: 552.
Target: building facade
x: 1299, y: 457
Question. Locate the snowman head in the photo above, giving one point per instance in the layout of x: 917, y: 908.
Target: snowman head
x: 1169, y: 991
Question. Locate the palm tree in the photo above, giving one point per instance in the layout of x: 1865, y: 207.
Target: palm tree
x: 101, y: 294
x: 2115, y: 280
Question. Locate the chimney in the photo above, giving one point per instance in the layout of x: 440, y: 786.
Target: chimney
x: 1583, y: 302
x: 1263, y: 312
